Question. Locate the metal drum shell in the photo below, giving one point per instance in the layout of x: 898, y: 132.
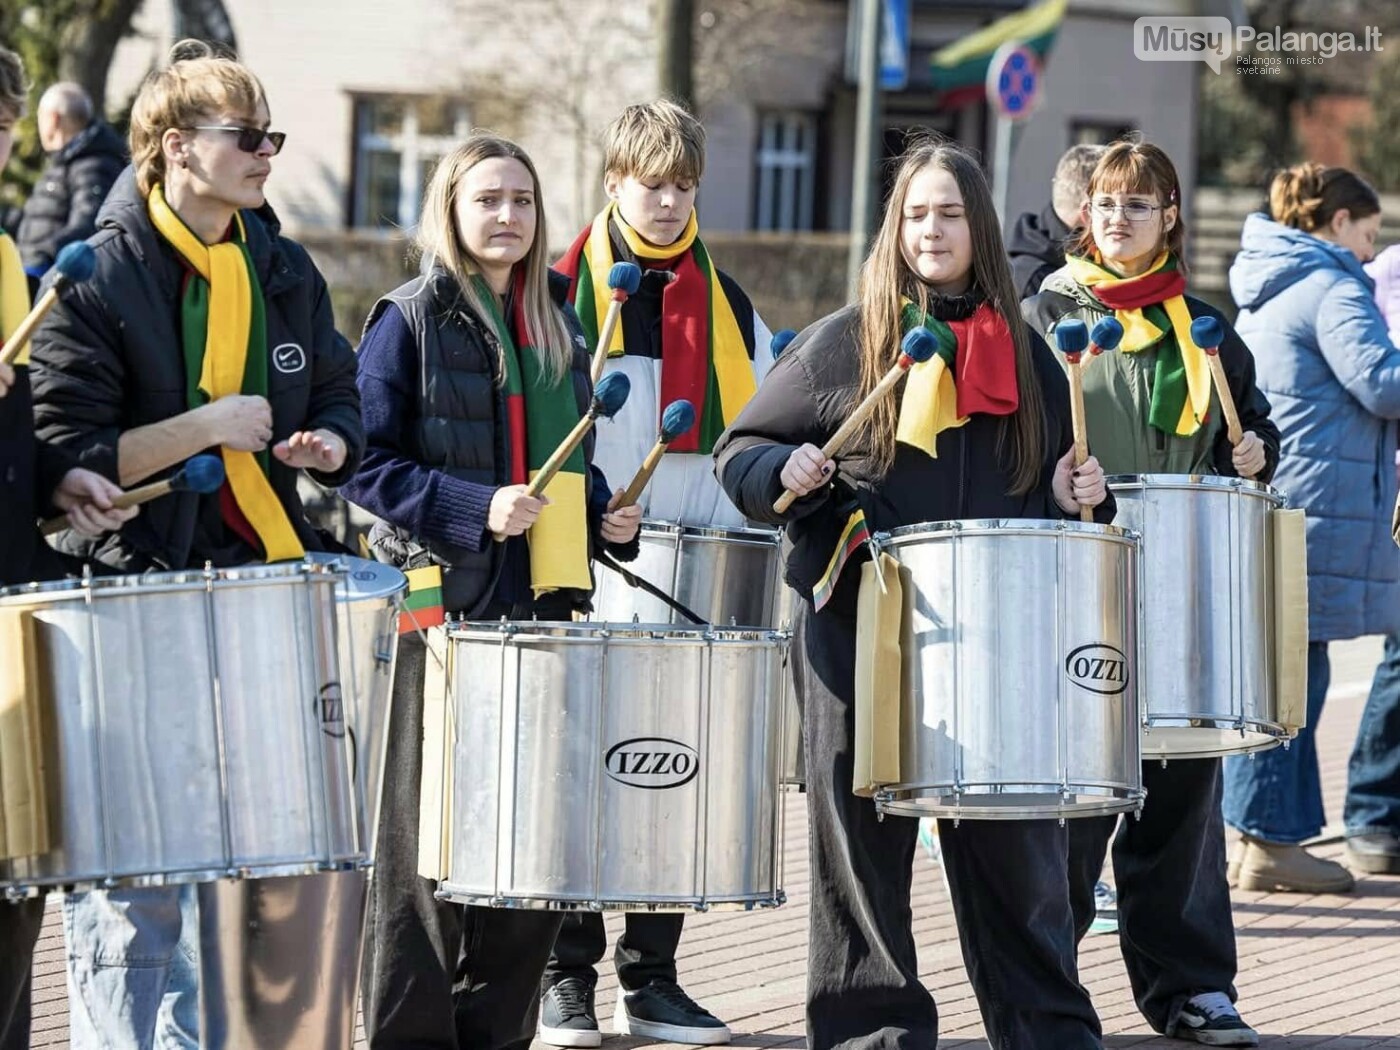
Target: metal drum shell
x: 195, y: 729
x: 1020, y: 691
x: 1205, y: 619
x: 611, y: 767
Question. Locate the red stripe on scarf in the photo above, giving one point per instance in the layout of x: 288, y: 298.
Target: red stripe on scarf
x: 568, y: 263
x: 985, y: 375
x: 1137, y: 292
x: 515, y: 400
x: 685, y: 343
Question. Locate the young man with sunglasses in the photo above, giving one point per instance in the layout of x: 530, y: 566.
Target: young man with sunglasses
x: 202, y: 328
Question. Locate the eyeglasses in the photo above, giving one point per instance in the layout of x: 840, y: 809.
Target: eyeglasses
x: 250, y: 140
x: 1133, y: 211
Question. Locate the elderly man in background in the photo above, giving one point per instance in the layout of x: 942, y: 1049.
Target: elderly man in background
x: 85, y: 158
x: 1036, y: 246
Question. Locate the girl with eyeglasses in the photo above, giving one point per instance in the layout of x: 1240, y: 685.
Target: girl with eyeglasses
x: 1150, y: 409
x: 203, y: 328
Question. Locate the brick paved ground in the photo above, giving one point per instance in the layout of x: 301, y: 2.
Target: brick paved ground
x: 1315, y: 971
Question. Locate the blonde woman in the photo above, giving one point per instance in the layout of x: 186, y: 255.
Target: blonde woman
x: 464, y: 373
x: 937, y: 262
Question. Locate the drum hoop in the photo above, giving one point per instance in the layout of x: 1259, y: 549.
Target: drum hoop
x: 711, y: 533
x: 166, y: 582
x: 1212, y: 482
x: 515, y: 632
x: 906, y: 534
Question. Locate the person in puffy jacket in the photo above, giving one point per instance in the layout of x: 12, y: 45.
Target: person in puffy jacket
x: 1328, y: 366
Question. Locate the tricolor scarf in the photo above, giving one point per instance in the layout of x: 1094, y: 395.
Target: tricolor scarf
x: 703, y: 356
x: 14, y: 294
x: 1153, y: 311
x: 980, y: 375
x: 539, y: 415
x: 224, y: 338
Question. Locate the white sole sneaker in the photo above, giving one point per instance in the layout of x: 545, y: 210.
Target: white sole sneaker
x: 625, y: 1024
x: 571, y: 1037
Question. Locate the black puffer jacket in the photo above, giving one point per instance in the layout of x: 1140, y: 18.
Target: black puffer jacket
x: 108, y: 359
x: 29, y: 472
x: 1036, y: 249
x: 64, y: 205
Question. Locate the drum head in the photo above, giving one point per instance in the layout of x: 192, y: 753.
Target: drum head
x: 364, y: 579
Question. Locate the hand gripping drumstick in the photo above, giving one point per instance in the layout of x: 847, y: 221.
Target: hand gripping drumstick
x: 918, y: 346
x: 75, y: 263
x: 1207, y: 333
x: 624, y: 279
x: 1072, y: 339
x: 202, y: 474
x: 781, y: 338
x: 678, y: 418
x: 608, y: 398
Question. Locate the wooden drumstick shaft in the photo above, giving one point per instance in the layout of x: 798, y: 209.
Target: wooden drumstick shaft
x: 1227, y: 400
x: 857, y: 418
x: 643, y: 475
x: 556, y: 460
x: 26, y: 327
x: 1077, y: 423
x: 130, y: 498
x: 605, y: 334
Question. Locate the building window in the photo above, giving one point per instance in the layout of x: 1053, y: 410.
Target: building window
x: 398, y: 140
x: 787, y: 171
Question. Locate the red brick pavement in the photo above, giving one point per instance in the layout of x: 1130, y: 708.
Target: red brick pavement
x: 1321, y: 972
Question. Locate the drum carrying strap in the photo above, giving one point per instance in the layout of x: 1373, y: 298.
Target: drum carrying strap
x: 24, y: 813
x: 633, y: 580
x: 880, y: 619
x: 1290, y: 617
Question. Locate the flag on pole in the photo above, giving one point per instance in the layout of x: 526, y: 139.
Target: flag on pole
x: 958, y: 72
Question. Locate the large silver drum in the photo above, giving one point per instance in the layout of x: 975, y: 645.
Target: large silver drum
x: 194, y: 728
x: 1020, y: 697
x: 614, y: 767
x: 1205, y: 617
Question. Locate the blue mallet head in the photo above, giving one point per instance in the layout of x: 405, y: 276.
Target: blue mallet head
x: 610, y: 394
x: 1071, y: 336
x: 1207, y: 333
x: 1107, y: 334
x: 202, y: 474
x: 625, y: 277
x: 75, y: 263
x: 678, y: 418
x: 780, y: 341
x: 919, y: 345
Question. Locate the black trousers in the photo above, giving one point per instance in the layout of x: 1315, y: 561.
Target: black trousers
x: 435, y: 974
x: 645, y: 952
x: 19, y: 932
x: 1174, y: 920
x: 1009, y: 883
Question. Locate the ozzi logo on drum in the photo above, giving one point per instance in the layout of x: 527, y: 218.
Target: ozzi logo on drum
x: 652, y: 762
x: 1099, y: 668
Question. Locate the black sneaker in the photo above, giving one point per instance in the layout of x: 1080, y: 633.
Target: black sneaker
x: 1211, y: 1018
x: 663, y: 1011
x: 566, y: 1015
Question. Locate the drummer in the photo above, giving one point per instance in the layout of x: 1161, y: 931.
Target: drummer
x: 444, y: 472
x: 38, y: 476
x: 1150, y: 410
x: 127, y: 378
x: 688, y: 331
x: 1003, y: 449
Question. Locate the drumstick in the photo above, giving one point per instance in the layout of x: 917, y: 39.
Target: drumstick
x: 608, y: 398
x: 919, y: 345
x: 75, y: 263
x: 1207, y: 333
x: 202, y: 474
x: 1071, y: 339
x: 624, y: 279
x: 780, y: 341
x: 1105, y: 335
x: 678, y: 418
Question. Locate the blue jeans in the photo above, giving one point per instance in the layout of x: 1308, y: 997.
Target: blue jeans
x: 1373, y: 775
x: 133, y: 969
x: 1277, y: 795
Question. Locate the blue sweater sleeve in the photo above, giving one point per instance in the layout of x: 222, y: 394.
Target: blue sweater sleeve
x: 390, y: 484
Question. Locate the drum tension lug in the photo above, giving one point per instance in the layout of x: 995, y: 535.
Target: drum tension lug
x: 1164, y: 763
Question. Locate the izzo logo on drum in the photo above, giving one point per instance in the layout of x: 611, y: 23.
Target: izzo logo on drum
x: 652, y: 762
x: 1099, y: 668
x: 330, y: 707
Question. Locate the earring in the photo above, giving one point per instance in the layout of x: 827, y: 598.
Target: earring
x: 184, y: 164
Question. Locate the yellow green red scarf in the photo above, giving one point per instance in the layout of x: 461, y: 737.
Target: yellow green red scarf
x: 14, y: 294
x: 224, y: 338
x: 539, y: 415
x: 703, y: 356
x: 1153, y: 312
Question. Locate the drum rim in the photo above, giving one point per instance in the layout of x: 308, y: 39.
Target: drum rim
x: 740, y: 534
x: 157, y: 582
x: 573, y: 632
x: 1247, y: 486
x: 1006, y: 527
x: 395, y: 584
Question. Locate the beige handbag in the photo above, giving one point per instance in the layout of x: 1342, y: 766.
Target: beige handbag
x: 1290, y: 617
x: 879, y: 675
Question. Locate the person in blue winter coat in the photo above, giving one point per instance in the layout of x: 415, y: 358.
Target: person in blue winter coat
x: 1327, y: 364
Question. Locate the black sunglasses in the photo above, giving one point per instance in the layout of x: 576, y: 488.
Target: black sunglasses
x: 250, y: 140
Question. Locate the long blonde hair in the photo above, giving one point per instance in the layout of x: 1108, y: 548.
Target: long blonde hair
x: 886, y: 281
x: 438, y: 241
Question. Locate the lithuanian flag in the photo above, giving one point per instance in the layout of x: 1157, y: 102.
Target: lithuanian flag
x: 959, y: 71
x: 853, y: 535
x: 423, y: 606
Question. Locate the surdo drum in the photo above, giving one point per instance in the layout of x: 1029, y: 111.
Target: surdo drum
x: 614, y: 766
x: 1020, y: 691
